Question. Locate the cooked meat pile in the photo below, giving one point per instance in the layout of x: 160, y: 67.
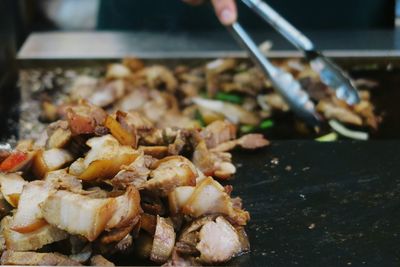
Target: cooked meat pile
x: 96, y: 184
x: 185, y: 96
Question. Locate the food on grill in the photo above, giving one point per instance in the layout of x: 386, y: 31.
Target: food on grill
x: 132, y: 163
x: 100, y: 184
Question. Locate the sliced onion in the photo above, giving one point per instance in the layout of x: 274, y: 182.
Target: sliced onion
x: 341, y: 129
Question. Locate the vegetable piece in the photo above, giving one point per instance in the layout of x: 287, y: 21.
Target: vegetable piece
x: 78, y: 214
x: 327, y: 138
x: 199, y: 117
x: 12, y: 185
x: 28, y: 217
x: 267, y: 124
x: 170, y: 173
x: 42, y: 236
x: 341, y: 129
x: 16, y: 161
x: 164, y: 241
x: 123, y: 136
x: 229, y: 97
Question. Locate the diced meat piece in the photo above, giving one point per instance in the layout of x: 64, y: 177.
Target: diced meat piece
x: 164, y: 241
x: 124, y: 136
x: 133, y: 101
x: 148, y: 223
x: 274, y: 101
x: 157, y: 152
x: 118, y: 71
x: 10, y: 257
x: 104, y: 159
x: 99, y: 260
x: 78, y: 214
x: 50, y: 160
x: 214, y: 163
x: 108, y: 93
x: 178, y: 198
x: 11, y: 186
x: 218, y: 132
x: 332, y: 111
x: 170, y: 173
x: 28, y: 217
x: 127, y: 208
x: 62, y: 180
x: 59, y: 135
x: 210, y: 197
x: 234, y: 113
x: 248, y: 141
x: 135, y: 174
x: 42, y: 236
x: 219, y: 241
x: 159, y: 77
x: 118, y: 234
x: 133, y: 120
x: 84, y: 118
x: 134, y: 64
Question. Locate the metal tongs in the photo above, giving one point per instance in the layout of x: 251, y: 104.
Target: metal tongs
x: 284, y: 82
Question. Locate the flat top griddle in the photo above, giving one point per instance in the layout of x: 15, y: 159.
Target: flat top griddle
x: 315, y: 204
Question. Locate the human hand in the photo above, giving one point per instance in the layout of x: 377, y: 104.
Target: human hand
x: 225, y: 10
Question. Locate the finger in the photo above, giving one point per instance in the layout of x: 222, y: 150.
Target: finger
x: 193, y: 2
x: 226, y: 11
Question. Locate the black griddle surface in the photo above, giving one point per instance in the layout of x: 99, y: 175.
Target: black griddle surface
x: 313, y: 204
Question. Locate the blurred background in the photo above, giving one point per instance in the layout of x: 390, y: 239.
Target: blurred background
x: 20, y: 18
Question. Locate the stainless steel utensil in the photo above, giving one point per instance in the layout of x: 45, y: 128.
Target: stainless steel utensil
x: 330, y: 73
x: 283, y: 82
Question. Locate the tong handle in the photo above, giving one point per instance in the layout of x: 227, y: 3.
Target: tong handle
x: 283, y: 82
x: 297, y: 38
x: 247, y: 42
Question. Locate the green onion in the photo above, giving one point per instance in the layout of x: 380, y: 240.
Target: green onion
x: 267, y: 124
x: 327, y: 138
x: 247, y: 128
x: 199, y: 118
x: 228, y: 97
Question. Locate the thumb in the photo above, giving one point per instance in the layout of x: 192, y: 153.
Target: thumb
x: 226, y: 11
